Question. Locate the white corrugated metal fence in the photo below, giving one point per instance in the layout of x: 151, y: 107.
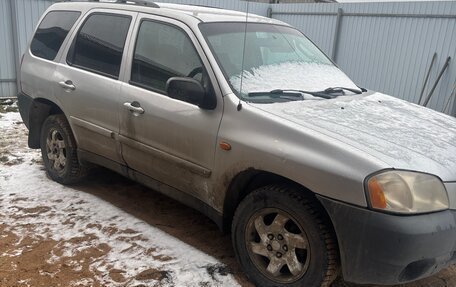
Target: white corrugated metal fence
x: 386, y: 47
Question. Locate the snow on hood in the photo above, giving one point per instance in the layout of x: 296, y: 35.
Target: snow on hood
x: 292, y: 75
x: 401, y: 134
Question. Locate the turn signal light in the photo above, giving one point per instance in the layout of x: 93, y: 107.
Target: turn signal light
x: 225, y: 146
x: 377, y: 197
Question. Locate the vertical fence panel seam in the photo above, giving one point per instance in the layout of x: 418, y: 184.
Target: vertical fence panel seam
x: 336, y: 34
x: 15, y: 33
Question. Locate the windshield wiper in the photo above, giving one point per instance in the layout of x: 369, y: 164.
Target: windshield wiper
x: 291, y: 94
x: 279, y: 94
x: 341, y: 89
x: 294, y: 94
x: 322, y: 94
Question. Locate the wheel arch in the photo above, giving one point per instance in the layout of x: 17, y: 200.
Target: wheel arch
x: 40, y: 109
x: 247, y: 181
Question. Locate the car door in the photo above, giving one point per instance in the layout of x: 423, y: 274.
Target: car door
x: 88, y: 83
x: 170, y: 140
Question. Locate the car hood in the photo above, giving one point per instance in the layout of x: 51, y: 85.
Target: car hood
x: 398, y: 133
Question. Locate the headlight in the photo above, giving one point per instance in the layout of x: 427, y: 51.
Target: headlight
x: 406, y: 192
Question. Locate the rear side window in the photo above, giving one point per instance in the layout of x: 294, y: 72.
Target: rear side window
x: 52, y: 32
x: 99, y: 44
x: 163, y: 51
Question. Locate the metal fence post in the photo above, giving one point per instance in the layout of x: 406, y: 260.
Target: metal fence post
x: 453, y: 113
x: 336, y: 35
x: 15, y: 34
x: 269, y: 12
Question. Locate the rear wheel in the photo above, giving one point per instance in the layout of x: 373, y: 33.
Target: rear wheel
x: 59, y: 152
x: 282, y: 238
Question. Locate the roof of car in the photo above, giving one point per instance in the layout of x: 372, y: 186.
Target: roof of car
x: 179, y: 11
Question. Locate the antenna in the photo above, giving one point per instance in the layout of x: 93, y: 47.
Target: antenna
x: 239, y: 107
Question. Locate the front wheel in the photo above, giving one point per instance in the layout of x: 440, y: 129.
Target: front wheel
x: 281, y: 237
x: 59, y: 152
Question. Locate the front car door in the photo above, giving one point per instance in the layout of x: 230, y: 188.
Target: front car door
x: 88, y: 80
x: 170, y: 140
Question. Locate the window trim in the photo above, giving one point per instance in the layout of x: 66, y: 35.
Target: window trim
x: 64, y: 39
x: 147, y: 87
x: 75, y: 37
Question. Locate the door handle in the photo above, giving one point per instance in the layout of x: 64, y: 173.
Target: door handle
x: 134, y: 107
x: 67, y: 85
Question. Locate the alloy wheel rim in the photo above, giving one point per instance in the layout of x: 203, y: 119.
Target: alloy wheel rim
x: 56, y: 150
x: 277, y: 245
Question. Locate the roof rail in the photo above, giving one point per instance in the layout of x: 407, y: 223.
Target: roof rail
x: 140, y: 2
x: 136, y: 2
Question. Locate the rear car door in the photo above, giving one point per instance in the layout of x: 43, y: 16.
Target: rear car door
x: 173, y: 140
x: 88, y: 80
x: 39, y: 62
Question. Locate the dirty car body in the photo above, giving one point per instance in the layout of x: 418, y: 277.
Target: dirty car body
x: 381, y: 169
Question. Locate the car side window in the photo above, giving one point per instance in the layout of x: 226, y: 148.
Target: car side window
x: 99, y: 44
x: 163, y: 51
x: 51, y: 33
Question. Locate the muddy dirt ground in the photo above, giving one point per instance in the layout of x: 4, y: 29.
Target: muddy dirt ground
x: 107, y: 231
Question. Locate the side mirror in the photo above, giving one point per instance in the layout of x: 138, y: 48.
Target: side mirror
x: 185, y: 89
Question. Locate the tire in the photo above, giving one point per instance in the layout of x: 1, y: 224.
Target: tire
x: 282, y: 228
x: 59, y: 152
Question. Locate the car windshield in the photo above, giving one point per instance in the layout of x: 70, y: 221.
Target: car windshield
x: 276, y: 58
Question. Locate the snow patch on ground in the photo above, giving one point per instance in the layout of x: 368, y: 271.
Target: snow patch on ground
x: 8, y: 119
x: 33, y: 206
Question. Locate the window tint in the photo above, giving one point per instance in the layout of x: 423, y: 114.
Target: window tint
x: 52, y: 32
x: 99, y: 44
x: 163, y: 51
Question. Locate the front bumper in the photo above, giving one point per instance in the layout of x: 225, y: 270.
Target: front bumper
x: 379, y: 248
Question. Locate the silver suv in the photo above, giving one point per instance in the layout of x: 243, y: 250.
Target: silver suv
x: 245, y: 119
